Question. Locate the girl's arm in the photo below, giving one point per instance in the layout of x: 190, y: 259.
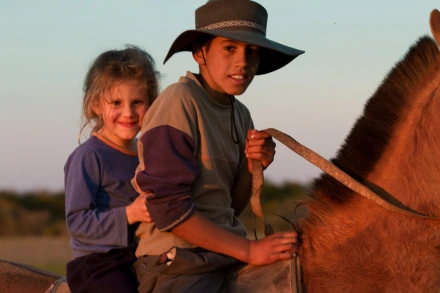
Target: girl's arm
x: 86, y: 222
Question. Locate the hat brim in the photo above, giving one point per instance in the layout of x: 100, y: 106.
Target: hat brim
x: 273, y: 55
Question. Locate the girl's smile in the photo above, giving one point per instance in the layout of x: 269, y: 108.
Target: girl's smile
x: 122, y: 111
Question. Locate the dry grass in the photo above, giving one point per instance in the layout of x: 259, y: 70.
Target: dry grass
x: 48, y: 253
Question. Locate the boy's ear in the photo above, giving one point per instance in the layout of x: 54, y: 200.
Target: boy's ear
x: 198, y: 54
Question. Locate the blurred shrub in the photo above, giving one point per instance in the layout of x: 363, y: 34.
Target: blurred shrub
x: 43, y: 213
x: 39, y: 213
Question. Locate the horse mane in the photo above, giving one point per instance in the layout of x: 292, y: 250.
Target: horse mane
x: 386, y: 107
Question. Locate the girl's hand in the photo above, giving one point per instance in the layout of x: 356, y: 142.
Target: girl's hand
x: 259, y: 146
x: 137, y: 210
x: 273, y: 248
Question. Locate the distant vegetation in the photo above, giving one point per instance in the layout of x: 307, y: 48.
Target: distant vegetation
x: 33, y: 229
x: 32, y: 214
x: 42, y: 213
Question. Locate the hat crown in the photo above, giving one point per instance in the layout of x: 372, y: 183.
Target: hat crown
x: 222, y: 11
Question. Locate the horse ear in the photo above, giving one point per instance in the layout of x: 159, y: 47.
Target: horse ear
x: 434, y: 22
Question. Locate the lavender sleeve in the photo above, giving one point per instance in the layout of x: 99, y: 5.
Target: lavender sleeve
x: 87, y: 223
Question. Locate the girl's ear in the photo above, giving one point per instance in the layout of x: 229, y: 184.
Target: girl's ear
x: 198, y: 55
x: 96, y: 108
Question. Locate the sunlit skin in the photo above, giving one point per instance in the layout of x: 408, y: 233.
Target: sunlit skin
x: 123, y: 109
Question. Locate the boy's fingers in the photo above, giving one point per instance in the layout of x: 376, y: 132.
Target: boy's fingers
x: 285, y: 255
x: 255, y: 142
x: 260, y: 135
x: 260, y: 150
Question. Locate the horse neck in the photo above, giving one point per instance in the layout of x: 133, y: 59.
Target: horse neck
x: 395, y: 146
x: 409, y: 168
x: 395, y: 143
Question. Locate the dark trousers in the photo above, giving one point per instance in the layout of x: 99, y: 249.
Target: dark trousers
x: 103, y: 272
x: 192, y: 271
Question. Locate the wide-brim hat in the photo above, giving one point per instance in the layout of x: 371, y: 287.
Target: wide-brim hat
x: 239, y: 20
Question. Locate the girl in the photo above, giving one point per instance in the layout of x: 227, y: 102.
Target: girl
x: 102, y: 207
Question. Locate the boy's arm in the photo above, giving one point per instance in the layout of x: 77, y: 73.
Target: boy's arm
x: 201, y: 232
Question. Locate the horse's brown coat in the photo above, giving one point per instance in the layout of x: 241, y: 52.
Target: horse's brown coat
x: 20, y: 278
x: 349, y: 243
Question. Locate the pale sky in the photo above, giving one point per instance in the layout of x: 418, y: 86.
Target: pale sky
x: 47, y: 46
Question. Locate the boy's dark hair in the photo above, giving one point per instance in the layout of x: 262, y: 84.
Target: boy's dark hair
x: 205, y: 40
x: 112, y: 67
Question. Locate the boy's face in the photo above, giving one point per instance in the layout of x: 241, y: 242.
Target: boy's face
x: 228, y: 66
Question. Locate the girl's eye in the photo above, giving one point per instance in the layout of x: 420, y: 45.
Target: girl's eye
x: 138, y: 103
x: 116, y: 103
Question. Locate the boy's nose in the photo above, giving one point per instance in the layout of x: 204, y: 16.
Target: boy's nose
x: 241, y: 58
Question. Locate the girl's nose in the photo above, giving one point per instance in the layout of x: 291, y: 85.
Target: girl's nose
x: 129, y: 110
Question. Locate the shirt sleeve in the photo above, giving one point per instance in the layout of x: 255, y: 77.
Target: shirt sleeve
x: 87, y: 223
x: 169, y: 161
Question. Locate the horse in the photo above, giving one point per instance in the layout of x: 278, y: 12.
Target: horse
x: 378, y: 230
x: 373, y: 222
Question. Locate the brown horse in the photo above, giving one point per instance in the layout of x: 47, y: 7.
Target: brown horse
x: 352, y: 244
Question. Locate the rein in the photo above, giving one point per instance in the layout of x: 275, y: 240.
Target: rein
x: 327, y: 167
x: 59, y: 286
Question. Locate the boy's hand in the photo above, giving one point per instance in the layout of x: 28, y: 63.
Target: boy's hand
x: 259, y: 146
x: 273, y: 248
x: 137, y: 210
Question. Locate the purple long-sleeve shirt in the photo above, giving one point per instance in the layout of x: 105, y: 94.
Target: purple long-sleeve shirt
x: 98, y: 189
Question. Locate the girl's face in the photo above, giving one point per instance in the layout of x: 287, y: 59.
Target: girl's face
x: 123, y: 110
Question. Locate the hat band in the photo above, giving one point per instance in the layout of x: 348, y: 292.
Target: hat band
x: 234, y: 24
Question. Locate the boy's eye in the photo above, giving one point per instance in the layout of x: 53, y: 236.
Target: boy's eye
x: 254, y: 51
x: 229, y: 48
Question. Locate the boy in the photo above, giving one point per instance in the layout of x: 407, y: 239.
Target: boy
x: 195, y: 151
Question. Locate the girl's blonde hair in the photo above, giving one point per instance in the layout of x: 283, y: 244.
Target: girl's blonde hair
x: 107, y: 70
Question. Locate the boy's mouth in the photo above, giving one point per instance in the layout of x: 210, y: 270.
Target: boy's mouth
x: 238, y: 76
